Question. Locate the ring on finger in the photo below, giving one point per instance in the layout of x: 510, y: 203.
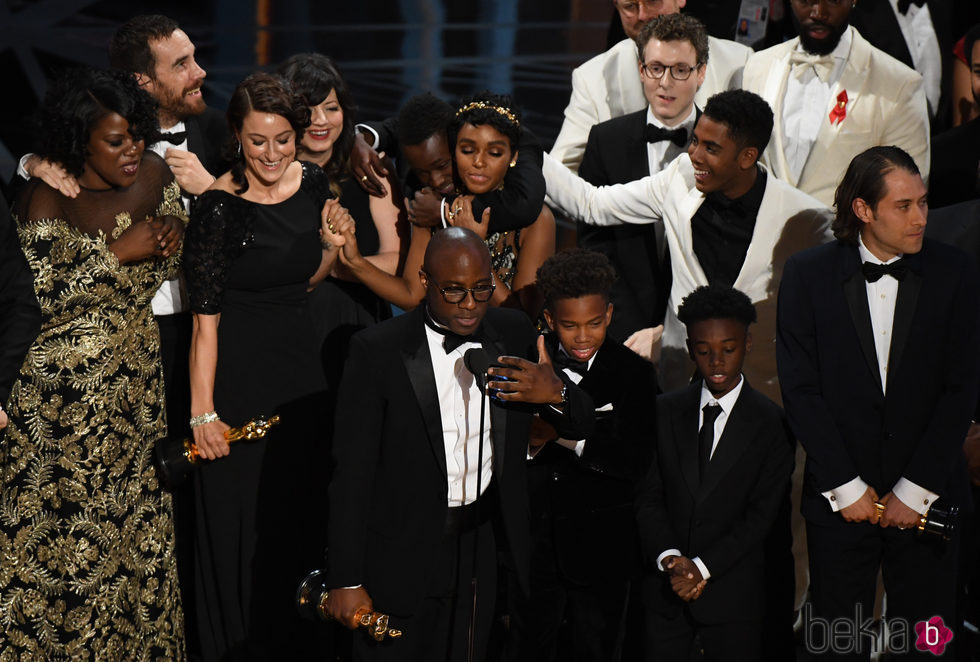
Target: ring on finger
x: 364, y: 178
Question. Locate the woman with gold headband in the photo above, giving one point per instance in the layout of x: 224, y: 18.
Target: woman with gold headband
x: 483, y: 138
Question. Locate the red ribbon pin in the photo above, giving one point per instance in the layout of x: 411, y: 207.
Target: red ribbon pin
x: 839, y: 112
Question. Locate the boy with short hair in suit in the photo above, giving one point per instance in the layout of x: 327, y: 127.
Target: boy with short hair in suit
x: 584, y: 547
x: 721, y: 467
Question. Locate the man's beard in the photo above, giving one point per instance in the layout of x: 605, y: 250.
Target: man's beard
x: 819, y: 46
x: 178, y: 107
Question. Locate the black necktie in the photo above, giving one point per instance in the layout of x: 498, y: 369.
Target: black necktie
x: 706, y: 437
x: 656, y: 134
x: 873, y: 272
x: 175, y: 138
x: 563, y: 360
x: 903, y: 5
x: 450, y: 339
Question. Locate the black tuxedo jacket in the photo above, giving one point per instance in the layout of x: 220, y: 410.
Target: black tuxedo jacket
x: 207, y: 136
x: 616, y: 153
x: 876, y: 21
x: 20, y: 319
x: 388, y: 502
x: 831, y: 386
x: 587, y: 502
x: 955, y: 161
x: 723, y: 519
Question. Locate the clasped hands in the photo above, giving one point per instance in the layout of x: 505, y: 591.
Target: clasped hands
x: 886, y: 511
x: 685, y: 577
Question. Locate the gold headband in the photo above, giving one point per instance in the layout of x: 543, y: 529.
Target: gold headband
x: 480, y: 104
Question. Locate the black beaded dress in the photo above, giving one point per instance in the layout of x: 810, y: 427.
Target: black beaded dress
x: 259, y: 509
x: 87, y: 563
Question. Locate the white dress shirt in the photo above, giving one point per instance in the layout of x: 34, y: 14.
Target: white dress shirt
x: 171, y: 297
x: 920, y: 37
x: 804, y: 105
x: 727, y: 403
x: 882, y: 295
x: 459, y: 409
x: 577, y: 446
x: 662, y: 152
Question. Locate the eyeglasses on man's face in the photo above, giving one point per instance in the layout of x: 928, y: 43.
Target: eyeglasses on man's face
x: 679, y: 71
x: 456, y: 294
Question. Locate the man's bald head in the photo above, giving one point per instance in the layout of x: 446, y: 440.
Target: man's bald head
x: 456, y: 259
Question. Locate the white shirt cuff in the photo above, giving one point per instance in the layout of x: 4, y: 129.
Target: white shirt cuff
x: 21, y: 166
x: 917, y: 498
x: 350, y: 588
x: 365, y: 127
x: 663, y: 555
x: 575, y: 446
x: 846, y: 494
x: 702, y: 567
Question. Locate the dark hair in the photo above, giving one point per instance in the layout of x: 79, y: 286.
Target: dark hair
x: 865, y: 179
x: 675, y: 27
x: 574, y: 273
x: 423, y: 116
x: 129, y: 49
x: 971, y: 37
x: 746, y: 114
x: 716, y: 302
x: 312, y: 76
x: 264, y: 93
x: 77, y: 101
x: 495, y: 110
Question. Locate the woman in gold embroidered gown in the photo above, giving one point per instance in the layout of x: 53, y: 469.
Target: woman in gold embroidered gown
x: 87, y: 567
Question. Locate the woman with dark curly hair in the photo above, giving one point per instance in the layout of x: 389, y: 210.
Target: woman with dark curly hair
x: 87, y: 563
x: 341, y: 304
x: 253, y: 251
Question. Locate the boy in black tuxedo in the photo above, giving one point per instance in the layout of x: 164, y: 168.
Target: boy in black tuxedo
x: 584, y: 547
x: 722, y: 465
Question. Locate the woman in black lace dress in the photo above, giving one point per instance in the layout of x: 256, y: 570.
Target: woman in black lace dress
x: 253, y: 250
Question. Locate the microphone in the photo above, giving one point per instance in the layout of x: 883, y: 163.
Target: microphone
x: 477, y: 361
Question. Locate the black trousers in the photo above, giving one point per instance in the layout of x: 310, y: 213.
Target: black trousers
x: 595, y: 613
x: 919, y: 574
x: 439, y: 629
x: 678, y: 639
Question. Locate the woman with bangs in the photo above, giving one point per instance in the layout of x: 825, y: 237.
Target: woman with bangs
x: 483, y: 140
x: 341, y: 304
x: 87, y: 560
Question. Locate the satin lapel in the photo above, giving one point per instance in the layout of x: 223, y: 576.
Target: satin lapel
x: 857, y: 302
x: 734, y: 440
x: 773, y: 92
x: 908, y: 296
x: 685, y: 423
x: 195, y: 137
x: 639, y: 159
x: 418, y: 364
x: 494, y: 346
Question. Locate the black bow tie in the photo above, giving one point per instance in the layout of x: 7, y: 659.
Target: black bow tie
x: 903, y: 5
x: 873, y: 272
x: 654, y: 134
x: 175, y: 138
x: 563, y: 361
x: 451, y: 340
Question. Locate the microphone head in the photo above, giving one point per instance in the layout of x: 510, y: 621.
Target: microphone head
x: 477, y: 361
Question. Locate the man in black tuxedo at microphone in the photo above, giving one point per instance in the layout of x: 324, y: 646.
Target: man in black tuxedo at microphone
x: 408, y: 525
x: 878, y: 365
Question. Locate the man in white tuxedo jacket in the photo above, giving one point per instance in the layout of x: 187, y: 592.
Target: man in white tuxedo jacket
x: 720, y: 167
x: 609, y: 85
x: 835, y: 95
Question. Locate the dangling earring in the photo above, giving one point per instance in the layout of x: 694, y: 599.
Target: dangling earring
x: 238, y: 150
x: 513, y: 163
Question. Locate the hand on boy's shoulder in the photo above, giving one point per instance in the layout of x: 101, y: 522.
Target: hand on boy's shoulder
x: 647, y: 342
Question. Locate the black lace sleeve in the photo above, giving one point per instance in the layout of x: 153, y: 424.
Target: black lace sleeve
x: 316, y: 183
x: 219, y: 229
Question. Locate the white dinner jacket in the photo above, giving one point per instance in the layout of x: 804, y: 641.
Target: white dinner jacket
x: 671, y: 197
x: 609, y: 86
x: 886, y: 105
